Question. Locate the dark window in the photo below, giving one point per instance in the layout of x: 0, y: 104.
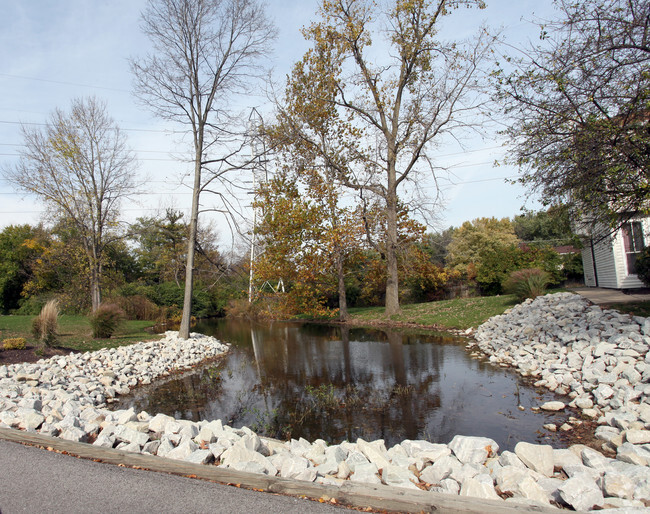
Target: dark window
x: 633, y: 243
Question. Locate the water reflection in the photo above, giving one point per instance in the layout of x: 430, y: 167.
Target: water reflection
x: 337, y: 383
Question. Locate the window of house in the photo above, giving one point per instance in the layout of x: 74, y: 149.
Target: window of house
x: 633, y: 243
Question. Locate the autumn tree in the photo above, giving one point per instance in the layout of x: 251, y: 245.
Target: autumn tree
x: 20, y: 247
x: 394, y: 89
x: 206, y: 52
x: 308, y: 162
x: 80, y: 166
x: 483, y: 250
x: 578, y: 104
x: 307, y: 239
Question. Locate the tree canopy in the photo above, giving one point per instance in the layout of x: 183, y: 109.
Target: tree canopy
x: 578, y: 105
x: 81, y: 166
x: 373, y: 96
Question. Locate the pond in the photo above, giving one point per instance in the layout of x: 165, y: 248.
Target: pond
x: 337, y: 383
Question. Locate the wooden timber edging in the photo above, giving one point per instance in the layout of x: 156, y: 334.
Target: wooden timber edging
x: 353, y: 494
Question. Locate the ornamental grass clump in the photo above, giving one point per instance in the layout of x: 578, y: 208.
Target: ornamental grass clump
x: 105, y: 320
x: 45, y: 326
x: 527, y: 283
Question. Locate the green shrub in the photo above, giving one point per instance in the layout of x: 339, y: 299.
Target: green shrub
x: 14, y: 343
x: 45, y: 325
x: 106, y: 320
x: 527, y: 283
x: 138, y: 307
x: 643, y: 266
x: 30, y: 306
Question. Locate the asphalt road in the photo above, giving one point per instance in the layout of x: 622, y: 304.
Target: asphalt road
x: 35, y: 480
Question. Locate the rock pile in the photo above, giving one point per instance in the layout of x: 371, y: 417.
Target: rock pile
x: 568, y: 345
x: 599, y: 358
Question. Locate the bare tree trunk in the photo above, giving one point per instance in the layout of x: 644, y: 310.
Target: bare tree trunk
x: 184, y: 330
x: 343, y: 301
x: 392, y: 282
x: 95, y: 286
x: 94, y: 264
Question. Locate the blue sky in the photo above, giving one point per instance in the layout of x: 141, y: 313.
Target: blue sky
x: 54, y: 51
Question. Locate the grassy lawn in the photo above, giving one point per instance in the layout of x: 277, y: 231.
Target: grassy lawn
x: 633, y: 308
x: 75, y: 332
x: 458, y: 313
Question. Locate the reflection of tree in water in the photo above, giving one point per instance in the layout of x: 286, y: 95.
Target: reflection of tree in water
x: 186, y: 397
x: 337, y: 383
x: 329, y: 390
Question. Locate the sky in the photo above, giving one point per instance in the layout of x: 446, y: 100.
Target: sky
x: 54, y: 51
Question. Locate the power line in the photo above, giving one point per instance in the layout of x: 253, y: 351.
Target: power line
x: 10, y: 122
x: 64, y: 83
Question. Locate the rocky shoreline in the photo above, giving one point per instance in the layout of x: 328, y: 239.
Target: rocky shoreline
x: 599, y: 358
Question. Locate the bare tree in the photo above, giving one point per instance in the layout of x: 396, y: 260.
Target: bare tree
x: 206, y: 51
x: 80, y: 165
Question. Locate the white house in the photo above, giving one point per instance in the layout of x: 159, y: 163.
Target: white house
x: 610, y: 261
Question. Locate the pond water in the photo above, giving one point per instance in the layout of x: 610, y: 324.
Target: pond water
x: 336, y: 383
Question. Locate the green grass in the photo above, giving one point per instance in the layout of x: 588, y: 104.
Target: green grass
x: 75, y: 332
x: 459, y: 313
x: 633, y: 308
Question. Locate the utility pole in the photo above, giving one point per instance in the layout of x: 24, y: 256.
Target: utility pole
x: 255, y: 123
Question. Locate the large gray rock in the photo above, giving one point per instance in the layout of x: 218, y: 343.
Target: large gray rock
x: 182, y: 451
x: 637, y: 436
x: 474, y: 450
x: 538, y: 457
x: 292, y: 466
x: 447, y: 486
x: 618, y: 485
x: 366, y: 473
x: 595, y: 460
x: 563, y: 457
x: 128, y: 435
x: 164, y: 447
x: 633, y: 454
x: 30, y: 419
x: 398, y: 477
x: 642, y: 490
x: 335, y: 453
x: 508, y: 458
x: 581, y: 493
x: 354, y: 459
x: 74, y: 434
x: 480, y: 486
x: 373, y: 454
x: 306, y: 475
x: 344, y: 470
x: 329, y: 467
x: 236, y: 455
x: 441, y: 469
x: 124, y: 416
x: 553, y: 406
x: 425, y: 449
x: 509, y: 478
x: 200, y: 457
x: 151, y: 447
x: 105, y: 441
x: 158, y: 422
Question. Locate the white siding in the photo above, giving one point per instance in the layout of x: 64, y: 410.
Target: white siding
x: 611, y: 263
x: 588, y: 267
x: 605, y: 264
